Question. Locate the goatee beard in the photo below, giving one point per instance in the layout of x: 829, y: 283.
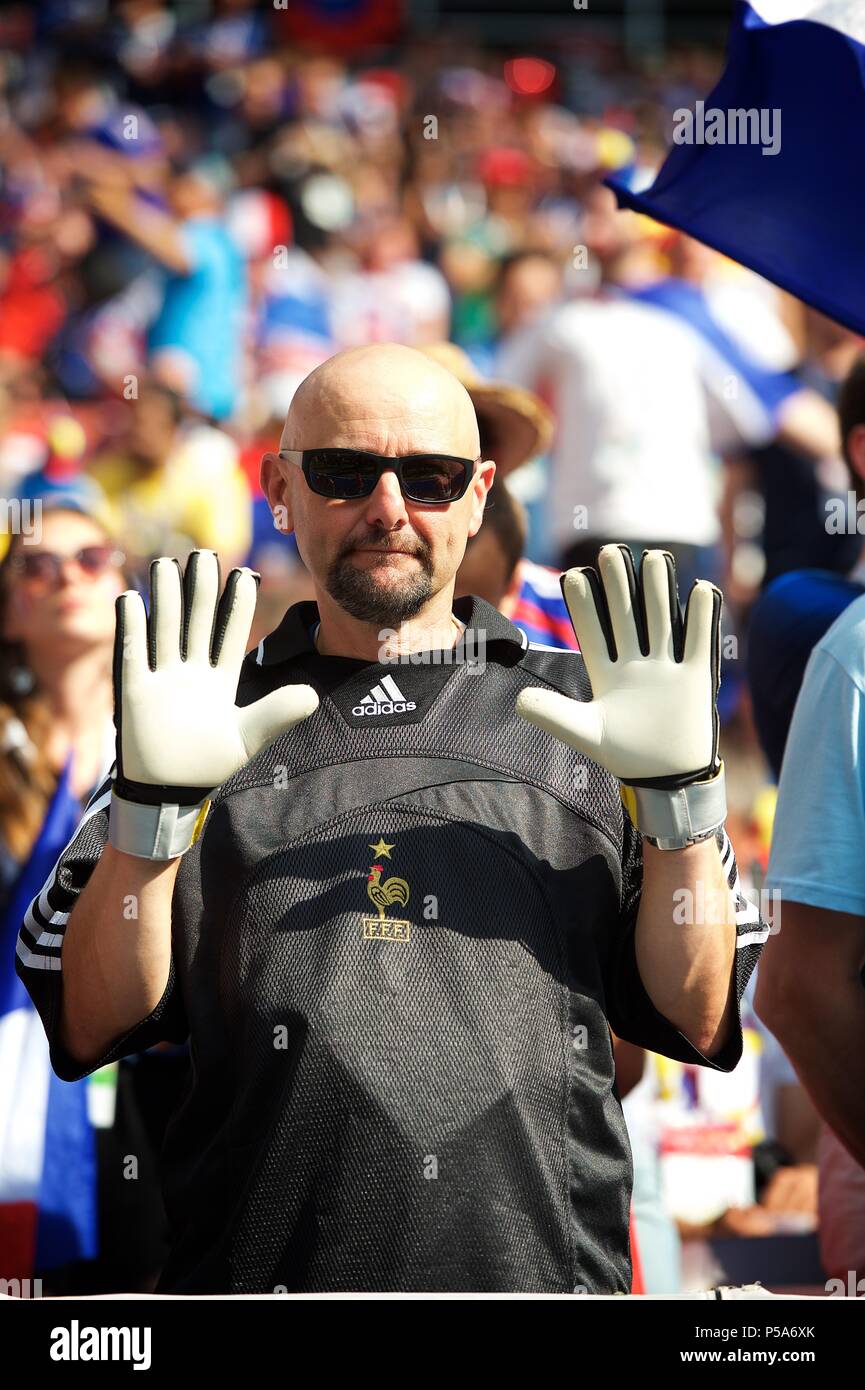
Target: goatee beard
x: 358, y: 591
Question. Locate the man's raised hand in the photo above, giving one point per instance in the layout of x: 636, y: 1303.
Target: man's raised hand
x: 653, y: 721
x: 179, y: 732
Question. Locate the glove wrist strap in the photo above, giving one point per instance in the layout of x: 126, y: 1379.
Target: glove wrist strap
x: 681, y: 817
x: 154, y: 832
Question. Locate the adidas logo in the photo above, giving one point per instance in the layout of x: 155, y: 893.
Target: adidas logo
x: 385, y: 698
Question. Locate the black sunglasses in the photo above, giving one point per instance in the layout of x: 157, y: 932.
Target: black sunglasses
x: 352, y: 473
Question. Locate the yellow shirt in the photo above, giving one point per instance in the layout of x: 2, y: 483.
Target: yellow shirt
x: 200, y: 497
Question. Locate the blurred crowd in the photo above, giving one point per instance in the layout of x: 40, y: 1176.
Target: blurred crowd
x: 196, y: 213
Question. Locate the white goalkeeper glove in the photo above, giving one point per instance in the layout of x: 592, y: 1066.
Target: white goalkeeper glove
x: 653, y: 721
x: 179, y: 732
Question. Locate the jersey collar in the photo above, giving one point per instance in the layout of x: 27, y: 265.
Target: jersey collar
x: 293, y: 637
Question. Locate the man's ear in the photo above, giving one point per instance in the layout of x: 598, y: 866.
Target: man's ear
x: 274, y: 485
x: 481, y: 484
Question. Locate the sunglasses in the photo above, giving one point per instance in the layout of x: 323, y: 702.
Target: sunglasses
x: 46, y: 566
x: 350, y: 473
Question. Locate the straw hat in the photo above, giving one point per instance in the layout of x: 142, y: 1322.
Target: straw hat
x: 515, y: 422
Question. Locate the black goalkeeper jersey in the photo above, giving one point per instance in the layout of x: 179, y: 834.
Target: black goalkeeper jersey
x: 398, y: 948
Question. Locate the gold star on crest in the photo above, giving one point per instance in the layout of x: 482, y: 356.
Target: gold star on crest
x: 382, y: 850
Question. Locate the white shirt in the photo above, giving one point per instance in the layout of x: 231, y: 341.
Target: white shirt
x: 640, y: 410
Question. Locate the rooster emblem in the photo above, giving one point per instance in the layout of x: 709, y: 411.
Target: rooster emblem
x: 393, y: 890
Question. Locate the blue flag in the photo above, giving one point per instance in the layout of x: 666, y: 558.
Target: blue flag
x: 767, y: 169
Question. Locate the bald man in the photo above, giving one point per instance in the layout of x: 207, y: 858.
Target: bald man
x: 381, y: 562
x: 372, y: 873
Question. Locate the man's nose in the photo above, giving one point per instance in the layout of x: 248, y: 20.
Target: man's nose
x: 386, y: 504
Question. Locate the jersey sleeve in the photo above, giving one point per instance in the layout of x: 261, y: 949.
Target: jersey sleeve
x: 631, y: 1012
x: 39, y: 950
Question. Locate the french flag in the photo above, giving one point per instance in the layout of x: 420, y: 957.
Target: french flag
x: 48, y: 1174
x: 767, y: 169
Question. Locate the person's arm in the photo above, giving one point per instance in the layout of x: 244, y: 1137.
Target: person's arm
x: 116, y: 955
x: 662, y: 1026
x: 686, y: 940
x: 810, y: 994
x: 100, y: 969
x: 82, y: 157
x: 808, y: 424
x: 117, y: 1015
x: 686, y: 957
x: 156, y: 231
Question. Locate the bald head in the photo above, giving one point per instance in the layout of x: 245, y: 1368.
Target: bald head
x: 385, y: 398
x: 381, y: 559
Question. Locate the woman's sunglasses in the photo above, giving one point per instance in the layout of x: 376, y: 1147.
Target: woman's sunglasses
x: 351, y: 473
x: 46, y: 566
